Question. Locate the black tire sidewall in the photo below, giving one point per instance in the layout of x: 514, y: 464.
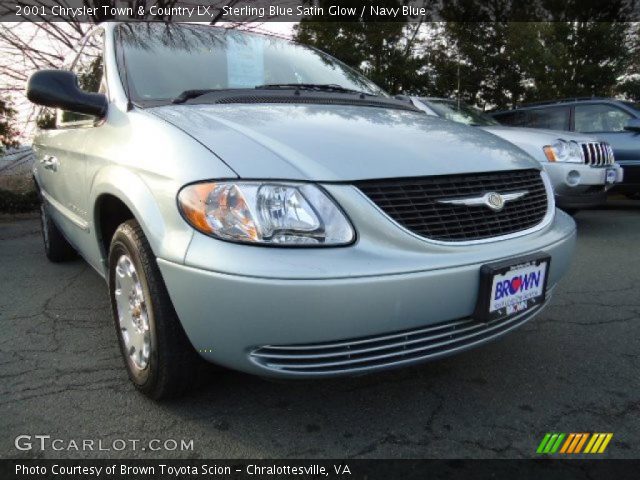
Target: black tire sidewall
x: 123, y: 243
x: 45, y: 223
x: 56, y: 247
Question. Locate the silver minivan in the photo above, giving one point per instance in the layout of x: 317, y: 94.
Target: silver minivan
x: 258, y: 204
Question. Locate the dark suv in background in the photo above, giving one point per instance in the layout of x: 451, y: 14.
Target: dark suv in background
x: 614, y: 121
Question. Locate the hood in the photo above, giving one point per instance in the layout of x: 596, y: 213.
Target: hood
x: 340, y: 143
x: 538, y: 135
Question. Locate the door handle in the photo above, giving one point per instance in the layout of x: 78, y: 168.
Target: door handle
x: 50, y: 162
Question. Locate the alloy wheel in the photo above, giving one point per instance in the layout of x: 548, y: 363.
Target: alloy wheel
x: 133, y: 316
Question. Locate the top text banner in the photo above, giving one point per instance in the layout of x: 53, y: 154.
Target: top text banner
x: 216, y: 11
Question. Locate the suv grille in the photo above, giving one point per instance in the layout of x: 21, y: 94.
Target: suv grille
x: 413, y: 203
x: 597, y: 153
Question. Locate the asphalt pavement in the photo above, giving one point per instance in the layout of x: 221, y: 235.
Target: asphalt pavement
x: 572, y: 369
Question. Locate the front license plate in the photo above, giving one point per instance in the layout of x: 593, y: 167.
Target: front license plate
x: 510, y: 287
x: 611, y: 176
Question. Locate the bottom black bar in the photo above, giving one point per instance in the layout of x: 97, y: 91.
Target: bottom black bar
x: 546, y: 469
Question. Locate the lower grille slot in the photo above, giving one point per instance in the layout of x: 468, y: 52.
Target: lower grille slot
x: 384, y: 350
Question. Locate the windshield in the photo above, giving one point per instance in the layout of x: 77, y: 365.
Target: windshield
x: 164, y: 60
x: 461, y: 113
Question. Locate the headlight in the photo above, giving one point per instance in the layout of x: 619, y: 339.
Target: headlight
x: 268, y: 213
x: 563, y: 151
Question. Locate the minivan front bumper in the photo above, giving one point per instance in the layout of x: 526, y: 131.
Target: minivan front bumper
x: 233, y: 319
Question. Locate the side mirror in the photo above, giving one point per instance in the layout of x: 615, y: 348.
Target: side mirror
x: 633, y: 125
x: 59, y: 89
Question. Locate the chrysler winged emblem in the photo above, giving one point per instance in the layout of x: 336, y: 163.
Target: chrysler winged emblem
x: 495, y: 201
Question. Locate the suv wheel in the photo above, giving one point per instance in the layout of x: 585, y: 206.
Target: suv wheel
x: 56, y: 247
x: 159, y: 358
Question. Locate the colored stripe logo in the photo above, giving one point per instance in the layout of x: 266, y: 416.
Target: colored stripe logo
x: 573, y: 443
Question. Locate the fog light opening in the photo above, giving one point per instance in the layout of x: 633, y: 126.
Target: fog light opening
x: 573, y: 178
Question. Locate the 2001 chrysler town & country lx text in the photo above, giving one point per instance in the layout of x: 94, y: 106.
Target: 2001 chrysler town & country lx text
x: 257, y: 203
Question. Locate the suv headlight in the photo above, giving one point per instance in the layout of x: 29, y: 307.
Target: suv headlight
x: 267, y: 213
x: 563, y: 151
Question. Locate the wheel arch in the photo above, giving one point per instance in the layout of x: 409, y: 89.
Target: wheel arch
x: 119, y: 195
x: 109, y: 212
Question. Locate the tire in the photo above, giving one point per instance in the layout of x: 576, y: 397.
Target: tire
x: 159, y: 358
x: 56, y: 247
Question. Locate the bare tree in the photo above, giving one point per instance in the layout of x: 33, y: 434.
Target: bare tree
x: 30, y: 46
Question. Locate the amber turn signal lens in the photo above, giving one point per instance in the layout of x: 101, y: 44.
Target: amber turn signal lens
x: 193, y: 201
x: 548, y: 152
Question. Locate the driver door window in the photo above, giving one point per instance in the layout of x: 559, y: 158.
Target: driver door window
x: 89, y: 68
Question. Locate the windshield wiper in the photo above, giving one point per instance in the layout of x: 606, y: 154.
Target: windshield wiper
x: 320, y: 87
x: 189, y: 94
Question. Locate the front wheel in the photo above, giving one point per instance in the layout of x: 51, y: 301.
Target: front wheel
x: 158, y: 356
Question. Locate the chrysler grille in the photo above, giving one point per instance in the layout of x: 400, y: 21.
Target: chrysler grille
x: 414, y: 204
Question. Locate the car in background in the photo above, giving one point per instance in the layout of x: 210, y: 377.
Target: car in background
x: 614, y: 121
x: 581, y: 168
x: 258, y: 204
